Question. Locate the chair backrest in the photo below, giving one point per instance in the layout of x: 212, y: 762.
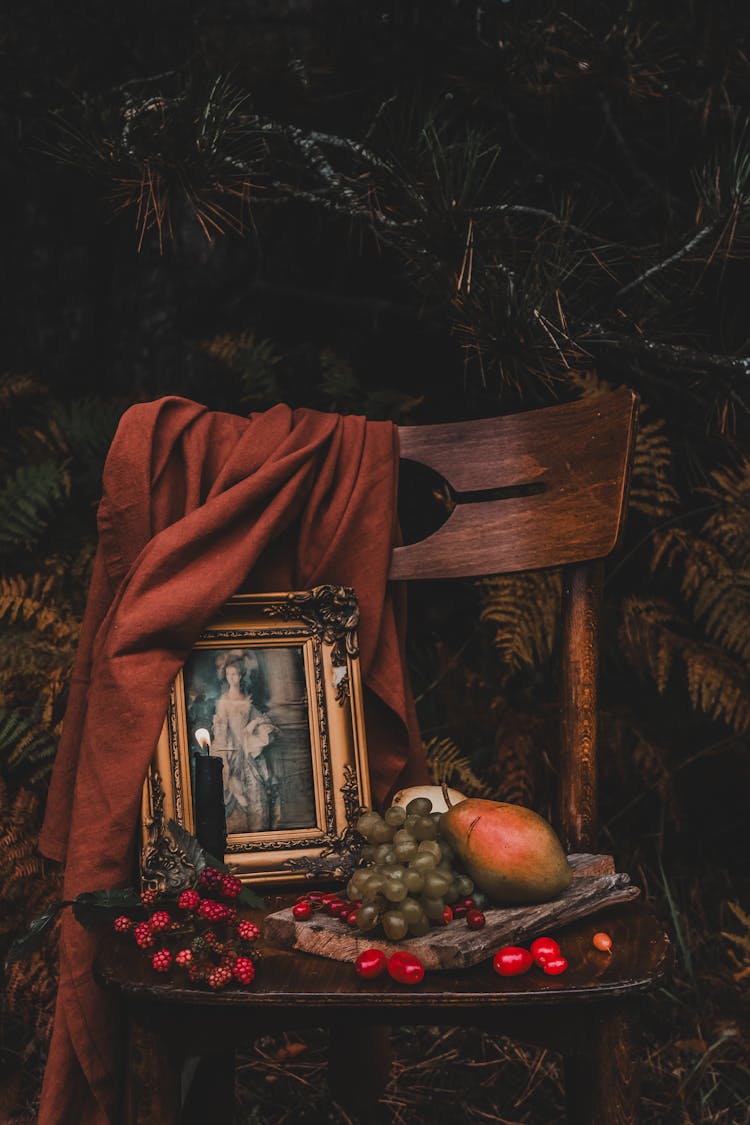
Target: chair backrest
x: 539, y: 489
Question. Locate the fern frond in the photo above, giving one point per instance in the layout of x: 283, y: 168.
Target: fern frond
x: 26, y: 749
x: 525, y: 609
x: 29, y: 498
x: 87, y: 427
x: 647, y: 637
x: 253, y: 361
x: 652, y: 490
x: 447, y: 763
x: 15, y: 387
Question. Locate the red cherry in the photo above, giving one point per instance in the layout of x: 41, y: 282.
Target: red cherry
x: 370, y: 963
x: 329, y: 896
x: 447, y: 916
x: 351, y: 918
x: 345, y: 912
x: 543, y: 949
x: 335, y: 906
x: 459, y: 911
x: 302, y: 911
x: 554, y: 966
x: 475, y: 919
x: 511, y: 961
x: 405, y: 968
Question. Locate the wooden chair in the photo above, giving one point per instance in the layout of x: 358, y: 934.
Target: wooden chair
x: 532, y: 490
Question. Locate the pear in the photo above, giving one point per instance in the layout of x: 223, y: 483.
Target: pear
x: 510, y: 852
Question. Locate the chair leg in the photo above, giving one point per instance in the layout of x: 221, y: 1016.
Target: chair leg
x: 211, y: 1093
x: 602, y: 1086
x: 359, y: 1065
x: 153, y: 1079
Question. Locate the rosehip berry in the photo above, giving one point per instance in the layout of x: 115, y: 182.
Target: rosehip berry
x: 189, y: 900
x: 475, y: 919
x: 302, y: 911
x: 159, y: 920
x: 143, y: 936
x: 123, y: 924
x: 543, y: 948
x: 149, y: 896
x: 447, y: 916
x: 602, y: 942
x: 554, y: 966
x: 405, y: 968
x: 243, y: 970
x: 184, y: 958
x: 459, y: 910
x: 219, y: 977
x: 351, y: 918
x: 248, y: 931
x: 370, y: 963
x: 162, y: 961
x: 512, y: 960
x: 329, y: 896
x: 231, y: 886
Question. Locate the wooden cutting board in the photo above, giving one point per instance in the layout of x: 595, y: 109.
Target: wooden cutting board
x: 595, y: 885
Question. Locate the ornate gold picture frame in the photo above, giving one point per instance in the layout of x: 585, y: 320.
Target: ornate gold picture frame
x: 272, y: 689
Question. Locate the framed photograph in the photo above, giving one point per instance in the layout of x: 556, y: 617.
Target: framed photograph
x: 272, y: 691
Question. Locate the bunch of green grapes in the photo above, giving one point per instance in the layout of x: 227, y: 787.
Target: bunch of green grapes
x: 406, y: 880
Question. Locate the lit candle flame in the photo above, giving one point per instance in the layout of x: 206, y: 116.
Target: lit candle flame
x: 203, y: 738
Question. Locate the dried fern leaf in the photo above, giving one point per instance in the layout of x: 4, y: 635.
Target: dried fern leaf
x: 447, y: 763
x: 525, y: 610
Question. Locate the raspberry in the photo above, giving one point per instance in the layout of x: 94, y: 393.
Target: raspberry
x: 162, y: 961
x: 123, y: 924
x: 228, y: 958
x: 198, y: 945
x: 231, y: 886
x: 159, y: 921
x: 212, y: 878
x: 230, y: 915
x: 248, y: 931
x: 196, y: 973
x: 219, y: 977
x: 210, y: 939
x: 149, y: 896
x: 184, y: 958
x: 143, y: 936
x: 243, y: 970
x: 189, y: 900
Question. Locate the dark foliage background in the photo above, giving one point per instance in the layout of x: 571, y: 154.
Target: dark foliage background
x: 421, y: 212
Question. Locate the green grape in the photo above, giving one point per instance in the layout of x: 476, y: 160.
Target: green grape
x: 420, y: 806
x: 424, y: 829
x: 373, y: 886
x: 433, y: 908
x: 436, y: 817
x: 395, y: 816
x: 414, y: 882
x: 368, y: 851
x: 395, y: 890
x: 381, y: 833
x: 451, y: 894
x: 384, y: 854
x: 403, y: 836
x: 420, y: 928
x: 464, y: 885
x: 394, y: 924
x: 368, y: 916
x: 431, y: 847
x: 412, y: 911
x: 410, y: 822
x: 422, y: 862
x: 405, y: 850
x: 436, y: 883
x: 366, y: 823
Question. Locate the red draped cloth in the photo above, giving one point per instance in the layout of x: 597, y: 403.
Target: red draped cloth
x: 195, y: 506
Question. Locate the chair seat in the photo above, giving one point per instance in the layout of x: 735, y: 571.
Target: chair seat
x: 312, y: 987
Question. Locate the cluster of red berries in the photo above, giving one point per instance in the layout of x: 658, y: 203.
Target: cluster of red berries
x: 406, y: 968
x: 208, y: 957
x: 346, y: 909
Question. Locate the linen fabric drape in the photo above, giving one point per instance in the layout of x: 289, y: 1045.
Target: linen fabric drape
x: 197, y: 505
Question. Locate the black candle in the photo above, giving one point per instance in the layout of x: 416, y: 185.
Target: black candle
x: 211, y: 824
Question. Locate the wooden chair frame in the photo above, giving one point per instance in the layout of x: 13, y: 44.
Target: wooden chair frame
x: 532, y: 490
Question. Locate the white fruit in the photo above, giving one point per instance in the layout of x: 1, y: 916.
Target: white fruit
x: 434, y: 793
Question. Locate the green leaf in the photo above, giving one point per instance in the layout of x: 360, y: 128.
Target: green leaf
x: 33, y: 939
x: 95, y: 908
x: 192, y: 849
x: 249, y: 898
